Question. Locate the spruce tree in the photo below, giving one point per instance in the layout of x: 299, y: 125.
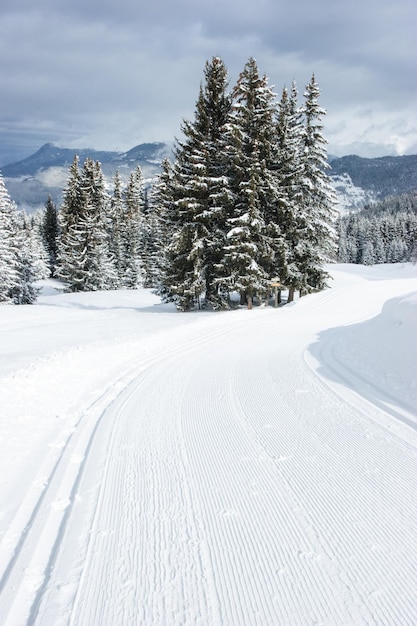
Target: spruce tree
x: 85, y: 261
x: 131, y: 229
x: 288, y: 172
x: 116, y: 226
x: 68, y: 221
x: 200, y: 195
x: 36, y: 242
x: 317, y: 244
x: 162, y: 207
x: 9, y: 268
x: 50, y: 233
x: 252, y: 226
x: 25, y: 291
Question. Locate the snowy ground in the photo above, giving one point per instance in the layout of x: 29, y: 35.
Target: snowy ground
x: 250, y: 468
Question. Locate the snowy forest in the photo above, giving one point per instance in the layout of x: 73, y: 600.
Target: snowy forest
x: 385, y: 232
x: 245, y: 203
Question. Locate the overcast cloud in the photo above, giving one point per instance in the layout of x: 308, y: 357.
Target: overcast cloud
x: 109, y: 75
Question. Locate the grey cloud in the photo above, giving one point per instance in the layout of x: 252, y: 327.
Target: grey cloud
x: 103, y: 70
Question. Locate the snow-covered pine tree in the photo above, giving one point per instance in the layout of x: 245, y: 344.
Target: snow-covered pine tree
x: 85, y: 262
x: 100, y: 268
x: 131, y: 229
x: 317, y: 215
x: 50, y: 233
x: 253, y: 229
x: 116, y: 225
x: 25, y: 291
x: 248, y: 251
x: 162, y: 208
x: 201, y: 198
x: 9, y: 272
x: 40, y: 256
x: 150, y: 246
x: 288, y: 171
x: 69, y: 247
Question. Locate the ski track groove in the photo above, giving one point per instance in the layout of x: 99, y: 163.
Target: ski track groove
x: 39, y: 522
x: 344, y: 506
x: 215, y: 504
x: 256, y: 541
x: 156, y: 478
x: 29, y: 550
x: 345, y: 516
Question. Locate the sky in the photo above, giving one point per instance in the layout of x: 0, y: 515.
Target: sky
x: 111, y: 75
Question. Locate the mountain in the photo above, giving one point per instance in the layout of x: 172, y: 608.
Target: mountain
x: 30, y: 181
x: 357, y: 181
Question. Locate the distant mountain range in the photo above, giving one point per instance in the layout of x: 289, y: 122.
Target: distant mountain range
x: 357, y: 180
x: 30, y: 181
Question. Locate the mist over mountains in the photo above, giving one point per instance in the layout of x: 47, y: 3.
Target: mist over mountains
x: 357, y: 180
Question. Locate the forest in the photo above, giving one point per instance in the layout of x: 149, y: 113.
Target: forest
x: 385, y: 232
x: 245, y: 203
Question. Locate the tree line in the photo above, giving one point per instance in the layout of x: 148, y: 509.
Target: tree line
x: 245, y: 199
x: 385, y: 232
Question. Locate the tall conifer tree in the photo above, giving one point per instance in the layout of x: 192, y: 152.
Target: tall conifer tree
x: 85, y: 262
x: 131, y: 231
x: 318, y: 199
x: 9, y: 269
x: 248, y: 254
x: 50, y: 233
x: 289, y: 171
x: 200, y: 196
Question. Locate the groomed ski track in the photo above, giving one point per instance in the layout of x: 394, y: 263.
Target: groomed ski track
x: 226, y: 486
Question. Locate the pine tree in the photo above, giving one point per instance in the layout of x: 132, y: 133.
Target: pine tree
x: 201, y: 197
x: 116, y: 227
x: 162, y: 207
x: 34, y: 227
x: 253, y: 226
x: 100, y: 267
x: 25, y: 291
x: 9, y: 270
x: 247, y: 251
x: 69, y: 217
x: 131, y: 229
x: 85, y: 262
x: 50, y: 233
x: 288, y: 171
x: 317, y: 244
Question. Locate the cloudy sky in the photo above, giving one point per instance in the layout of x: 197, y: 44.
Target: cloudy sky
x: 110, y: 75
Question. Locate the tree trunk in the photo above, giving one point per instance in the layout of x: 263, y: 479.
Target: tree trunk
x: 291, y: 294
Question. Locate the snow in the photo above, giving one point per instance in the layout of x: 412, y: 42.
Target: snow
x: 349, y: 197
x: 236, y: 468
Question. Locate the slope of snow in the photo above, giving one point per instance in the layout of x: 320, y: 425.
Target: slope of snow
x: 244, y: 468
x: 350, y: 197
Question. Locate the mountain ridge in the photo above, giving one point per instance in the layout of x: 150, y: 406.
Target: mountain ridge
x: 356, y: 180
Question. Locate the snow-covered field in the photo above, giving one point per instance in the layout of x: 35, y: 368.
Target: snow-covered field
x: 249, y: 468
